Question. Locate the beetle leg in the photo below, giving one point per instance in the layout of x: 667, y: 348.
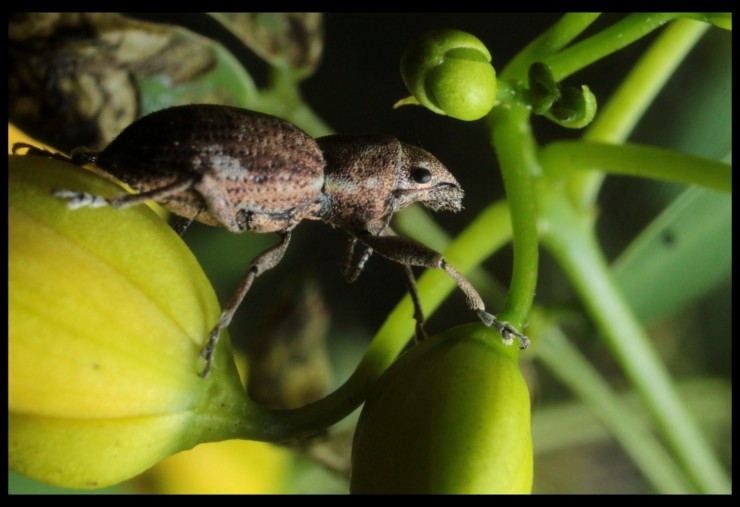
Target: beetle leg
x: 82, y: 199
x: 421, y: 334
x: 264, y: 261
x: 351, y: 271
x: 180, y: 224
x: 412, y: 253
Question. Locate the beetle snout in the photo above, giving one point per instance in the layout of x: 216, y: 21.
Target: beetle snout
x: 445, y: 196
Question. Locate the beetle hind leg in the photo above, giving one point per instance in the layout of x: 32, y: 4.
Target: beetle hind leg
x: 77, y: 200
x: 264, y: 261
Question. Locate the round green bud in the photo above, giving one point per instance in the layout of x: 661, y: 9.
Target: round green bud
x: 449, y: 72
x: 452, y: 415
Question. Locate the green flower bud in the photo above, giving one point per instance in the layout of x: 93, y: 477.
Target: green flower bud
x: 449, y: 72
x: 107, y: 312
x: 452, y: 415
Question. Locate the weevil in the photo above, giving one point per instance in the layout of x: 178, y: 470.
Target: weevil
x: 248, y: 171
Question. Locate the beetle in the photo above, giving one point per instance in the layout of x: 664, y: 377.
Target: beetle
x: 249, y: 171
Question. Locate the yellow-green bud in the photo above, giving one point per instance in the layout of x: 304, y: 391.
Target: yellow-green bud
x: 449, y: 72
x: 450, y: 416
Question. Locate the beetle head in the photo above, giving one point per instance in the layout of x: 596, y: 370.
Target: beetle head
x: 422, y: 178
x: 369, y: 177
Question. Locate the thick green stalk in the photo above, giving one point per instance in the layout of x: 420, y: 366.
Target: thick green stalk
x: 516, y: 153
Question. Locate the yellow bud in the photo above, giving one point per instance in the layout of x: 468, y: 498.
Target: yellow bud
x: 107, y: 312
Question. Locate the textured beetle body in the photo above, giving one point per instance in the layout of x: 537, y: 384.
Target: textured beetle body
x: 253, y: 172
x: 248, y: 171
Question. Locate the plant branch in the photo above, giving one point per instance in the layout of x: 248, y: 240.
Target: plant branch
x: 610, y: 40
x: 552, y: 40
x: 562, y: 157
x: 618, y: 117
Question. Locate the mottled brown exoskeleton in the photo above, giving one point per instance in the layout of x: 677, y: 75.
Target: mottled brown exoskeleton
x: 248, y: 171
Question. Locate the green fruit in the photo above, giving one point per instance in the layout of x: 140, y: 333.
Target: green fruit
x: 450, y: 416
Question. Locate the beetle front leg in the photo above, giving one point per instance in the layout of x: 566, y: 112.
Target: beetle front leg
x: 412, y: 253
x: 351, y: 271
x: 264, y: 261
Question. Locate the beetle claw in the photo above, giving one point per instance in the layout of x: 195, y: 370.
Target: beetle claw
x: 486, y: 317
x: 507, y: 330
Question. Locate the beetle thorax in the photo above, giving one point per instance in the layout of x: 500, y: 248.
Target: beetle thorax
x: 359, y: 179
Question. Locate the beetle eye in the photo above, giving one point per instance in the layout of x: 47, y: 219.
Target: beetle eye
x: 421, y: 175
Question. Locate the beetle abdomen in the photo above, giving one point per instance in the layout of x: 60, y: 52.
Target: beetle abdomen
x: 255, y: 164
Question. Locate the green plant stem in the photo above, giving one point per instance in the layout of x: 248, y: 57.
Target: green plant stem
x: 516, y: 153
x: 611, y: 39
x: 552, y: 40
x: 571, y: 368
x: 562, y: 157
x: 570, y: 238
x: 482, y: 238
x: 618, y: 117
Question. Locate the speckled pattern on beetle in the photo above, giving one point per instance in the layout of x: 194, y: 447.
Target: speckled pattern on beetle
x: 249, y: 171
